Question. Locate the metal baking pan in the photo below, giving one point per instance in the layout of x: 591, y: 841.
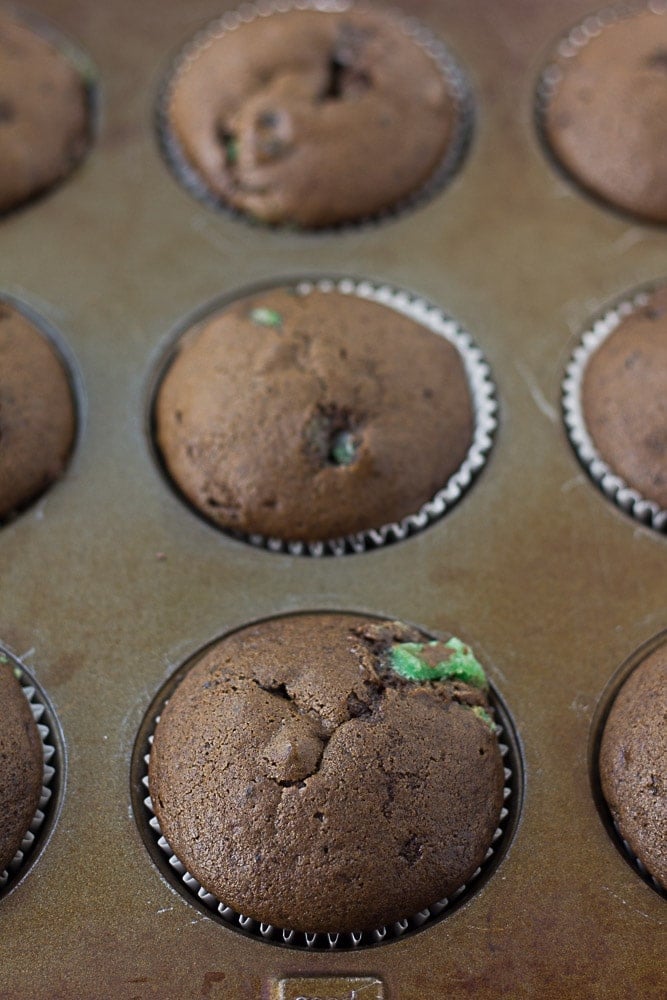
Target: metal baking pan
x: 109, y: 583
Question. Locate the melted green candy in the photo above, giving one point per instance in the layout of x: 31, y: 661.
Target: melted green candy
x: 419, y: 661
x: 266, y: 317
x: 231, y: 150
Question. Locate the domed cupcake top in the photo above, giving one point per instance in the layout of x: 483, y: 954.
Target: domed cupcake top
x: 313, y: 416
x: 605, y: 108
x: 306, y: 784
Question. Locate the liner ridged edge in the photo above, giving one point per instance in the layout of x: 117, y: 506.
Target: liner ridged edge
x: 484, y: 405
x: 614, y: 486
x: 23, y: 857
x: 321, y: 940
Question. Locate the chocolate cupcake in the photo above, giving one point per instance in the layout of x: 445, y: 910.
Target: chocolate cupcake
x: 44, y: 113
x: 37, y: 412
x: 329, y: 773
x: 603, y: 107
x: 315, y: 116
x: 308, y: 414
x: 633, y: 764
x: 21, y: 765
x: 615, y: 402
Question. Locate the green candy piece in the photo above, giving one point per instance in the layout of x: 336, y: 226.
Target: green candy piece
x: 416, y: 662
x: 266, y: 317
x: 482, y: 714
x: 3, y: 658
x: 343, y: 448
x: 231, y: 151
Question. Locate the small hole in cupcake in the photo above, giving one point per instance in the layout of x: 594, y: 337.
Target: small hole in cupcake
x: 344, y: 81
x: 412, y: 850
x: 332, y: 437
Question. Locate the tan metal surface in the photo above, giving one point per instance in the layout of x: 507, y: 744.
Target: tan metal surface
x: 535, y: 568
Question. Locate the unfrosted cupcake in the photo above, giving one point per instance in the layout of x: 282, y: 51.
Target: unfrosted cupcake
x: 633, y: 764
x: 604, y: 107
x: 616, y: 404
x: 37, y: 412
x: 314, y: 117
x: 44, y: 113
x: 329, y: 773
x: 300, y: 414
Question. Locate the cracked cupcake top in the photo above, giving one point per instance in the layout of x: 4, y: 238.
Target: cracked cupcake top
x: 309, y: 117
x: 312, y: 416
x: 306, y: 783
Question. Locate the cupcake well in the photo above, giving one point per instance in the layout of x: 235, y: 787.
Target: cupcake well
x: 483, y: 401
x: 190, y: 888
x: 457, y: 86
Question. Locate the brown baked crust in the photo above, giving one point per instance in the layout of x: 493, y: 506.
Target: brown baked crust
x: 37, y: 416
x: 633, y: 763
x: 44, y: 128
x: 624, y: 399
x: 247, y: 413
x: 333, y: 116
x: 307, y: 788
x: 607, y: 119
x: 21, y: 766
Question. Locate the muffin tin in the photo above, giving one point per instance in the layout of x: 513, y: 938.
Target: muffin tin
x: 109, y: 583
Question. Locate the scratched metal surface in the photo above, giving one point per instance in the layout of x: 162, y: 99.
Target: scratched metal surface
x: 553, y: 585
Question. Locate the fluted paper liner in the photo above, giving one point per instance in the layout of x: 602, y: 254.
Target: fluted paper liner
x: 191, y: 889
x: 614, y: 486
x: 22, y: 859
x: 483, y: 402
